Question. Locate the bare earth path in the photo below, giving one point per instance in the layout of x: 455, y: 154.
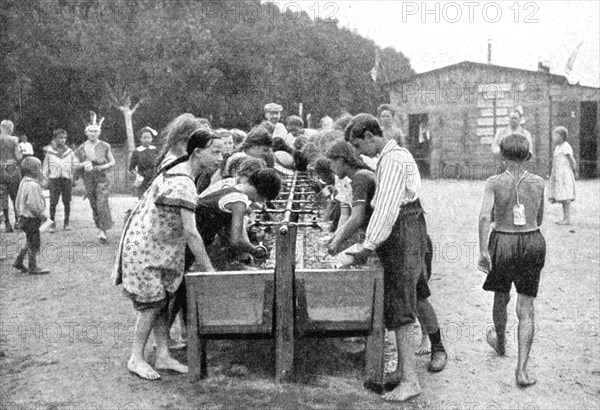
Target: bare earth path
x: 64, y: 337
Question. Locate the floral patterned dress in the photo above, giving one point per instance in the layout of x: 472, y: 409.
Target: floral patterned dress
x: 150, y: 261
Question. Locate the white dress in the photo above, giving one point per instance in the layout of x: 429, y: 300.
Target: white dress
x: 562, y: 180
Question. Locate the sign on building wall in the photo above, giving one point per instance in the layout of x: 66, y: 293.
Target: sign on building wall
x: 494, y: 101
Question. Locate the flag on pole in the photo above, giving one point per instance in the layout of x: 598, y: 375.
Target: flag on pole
x: 375, y: 70
x: 572, y: 58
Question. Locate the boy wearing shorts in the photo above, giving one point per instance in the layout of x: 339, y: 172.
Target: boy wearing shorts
x: 516, y: 251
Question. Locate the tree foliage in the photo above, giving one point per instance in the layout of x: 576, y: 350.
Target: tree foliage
x: 222, y: 60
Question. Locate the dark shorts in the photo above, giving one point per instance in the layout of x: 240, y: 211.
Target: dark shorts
x: 31, y: 227
x: 402, y: 256
x: 518, y: 258
x: 60, y: 187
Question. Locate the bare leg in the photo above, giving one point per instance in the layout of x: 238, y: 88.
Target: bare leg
x: 163, y: 356
x: 567, y: 213
x: 137, y: 363
x: 525, y: 313
x: 497, y: 339
x: 409, y: 385
x: 429, y: 324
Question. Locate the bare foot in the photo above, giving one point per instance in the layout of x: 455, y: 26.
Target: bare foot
x: 403, y: 392
x: 168, y: 363
x: 493, y: 342
x: 524, y: 379
x: 142, y: 369
x: 563, y: 222
x: 423, y: 348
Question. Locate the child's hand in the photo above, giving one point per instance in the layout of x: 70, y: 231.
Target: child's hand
x: 484, y: 263
x: 552, y: 200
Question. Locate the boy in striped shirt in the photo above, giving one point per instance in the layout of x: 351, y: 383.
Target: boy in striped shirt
x: 397, y: 231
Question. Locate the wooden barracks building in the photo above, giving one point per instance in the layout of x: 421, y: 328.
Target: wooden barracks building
x: 451, y: 115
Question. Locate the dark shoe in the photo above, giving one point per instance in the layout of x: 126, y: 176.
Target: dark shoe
x: 20, y: 267
x: 52, y: 227
x: 438, y: 361
x: 9, y: 228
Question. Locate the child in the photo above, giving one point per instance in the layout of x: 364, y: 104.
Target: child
x: 26, y: 147
x: 143, y: 159
x: 564, y: 170
x: 30, y: 205
x: 59, y: 164
x: 222, y: 212
x: 514, y: 200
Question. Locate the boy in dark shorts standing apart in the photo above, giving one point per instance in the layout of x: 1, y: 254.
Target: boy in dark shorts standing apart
x: 30, y: 205
x: 516, y: 252
x: 398, y: 232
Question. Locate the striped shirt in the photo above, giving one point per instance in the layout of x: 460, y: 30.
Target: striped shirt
x: 398, y: 183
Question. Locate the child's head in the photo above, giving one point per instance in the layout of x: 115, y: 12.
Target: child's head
x: 146, y: 135
x: 23, y: 138
x: 227, y: 137
x: 208, y: 147
x: 7, y: 127
x: 515, y: 147
x: 31, y: 167
x: 59, y: 137
x: 177, y: 133
x: 267, y: 184
x: 323, y: 171
x: 560, y: 134
x: 300, y: 142
x: 258, y: 143
x: 246, y: 166
x: 343, y: 157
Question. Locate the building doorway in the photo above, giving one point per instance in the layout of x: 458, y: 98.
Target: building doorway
x: 588, y: 140
x: 419, y: 142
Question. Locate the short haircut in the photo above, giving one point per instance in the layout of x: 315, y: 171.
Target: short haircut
x: 360, y: 124
x: 515, y: 147
x: 7, y: 126
x: 294, y: 120
x: 562, y: 131
x: 280, y: 145
x: 323, y: 171
x: 247, y: 166
x: 30, y: 167
x: 385, y: 107
x: 267, y: 183
x: 258, y: 137
x: 58, y: 132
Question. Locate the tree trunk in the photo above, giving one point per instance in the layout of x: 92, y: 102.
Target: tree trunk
x: 128, y: 115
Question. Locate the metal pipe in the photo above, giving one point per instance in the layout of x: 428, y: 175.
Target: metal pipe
x: 283, y: 230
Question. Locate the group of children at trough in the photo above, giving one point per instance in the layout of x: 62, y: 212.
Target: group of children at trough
x: 202, y: 184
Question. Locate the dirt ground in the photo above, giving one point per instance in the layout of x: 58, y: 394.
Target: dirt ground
x: 65, y: 337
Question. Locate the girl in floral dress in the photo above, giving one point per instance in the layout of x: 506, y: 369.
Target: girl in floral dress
x: 564, y: 170
x: 150, y: 262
